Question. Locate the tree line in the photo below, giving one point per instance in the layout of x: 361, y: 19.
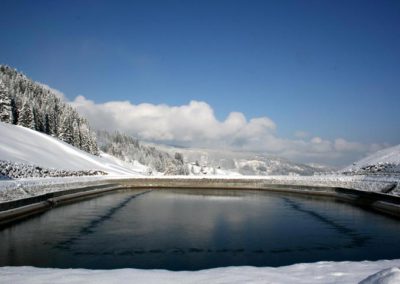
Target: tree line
x: 129, y: 149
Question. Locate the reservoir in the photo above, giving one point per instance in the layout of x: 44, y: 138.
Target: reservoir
x: 198, y: 229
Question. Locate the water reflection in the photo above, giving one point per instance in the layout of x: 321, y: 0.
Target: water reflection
x: 196, y: 229
x: 91, y: 226
x: 357, y: 240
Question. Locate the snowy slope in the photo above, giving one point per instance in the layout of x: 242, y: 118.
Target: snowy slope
x: 386, y: 160
x: 20, y: 144
x: 388, y: 155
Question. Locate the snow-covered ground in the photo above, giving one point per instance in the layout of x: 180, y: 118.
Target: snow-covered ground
x: 365, y: 272
x: 388, y: 155
x: 384, y: 162
x: 24, y: 145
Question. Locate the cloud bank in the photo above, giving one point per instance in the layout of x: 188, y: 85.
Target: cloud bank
x: 196, y: 125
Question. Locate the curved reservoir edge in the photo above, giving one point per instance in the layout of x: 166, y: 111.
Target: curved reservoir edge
x: 16, y: 210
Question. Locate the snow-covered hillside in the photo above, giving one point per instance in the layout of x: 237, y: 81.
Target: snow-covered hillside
x: 24, y: 145
x: 386, y: 161
x: 130, y: 150
x: 39, y: 107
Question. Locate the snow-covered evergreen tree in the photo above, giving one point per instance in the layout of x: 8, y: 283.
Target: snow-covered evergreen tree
x: 76, y: 134
x: 26, y: 115
x: 65, y: 130
x: 5, y: 104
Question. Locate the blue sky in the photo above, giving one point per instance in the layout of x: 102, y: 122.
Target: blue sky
x: 328, y: 68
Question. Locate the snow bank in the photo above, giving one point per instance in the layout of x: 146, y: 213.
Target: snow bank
x: 24, y: 145
x: 320, y: 272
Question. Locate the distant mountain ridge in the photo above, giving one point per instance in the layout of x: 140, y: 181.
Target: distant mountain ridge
x: 245, y: 163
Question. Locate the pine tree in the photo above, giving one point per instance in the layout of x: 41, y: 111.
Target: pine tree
x: 76, y: 133
x: 65, y: 129
x: 14, y: 111
x: 38, y: 119
x: 26, y: 116
x: 5, y: 104
x: 93, y: 149
x: 179, y: 157
x: 47, y: 128
x: 85, y: 137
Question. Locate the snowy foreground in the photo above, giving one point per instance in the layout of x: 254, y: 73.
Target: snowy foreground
x: 384, y: 271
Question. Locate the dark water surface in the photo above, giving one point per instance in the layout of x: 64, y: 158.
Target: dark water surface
x: 197, y: 229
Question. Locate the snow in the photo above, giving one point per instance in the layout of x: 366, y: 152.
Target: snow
x: 390, y: 275
x: 23, y: 188
x: 11, y: 170
x: 388, y: 155
x: 383, y: 271
x: 197, y: 170
x: 24, y: 145
x: 384, y: 160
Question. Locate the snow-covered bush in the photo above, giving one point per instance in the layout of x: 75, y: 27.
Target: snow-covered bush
x: 375, y: 169
x: 12, y: 170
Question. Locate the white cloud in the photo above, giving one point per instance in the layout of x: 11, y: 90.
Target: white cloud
x: 342, y: 145
x: 195, y: 124
x: 301, y: 134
